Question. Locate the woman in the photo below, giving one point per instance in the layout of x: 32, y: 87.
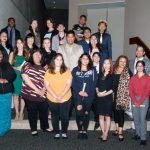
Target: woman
x: 94, y: 46
x: 104, y: 90
x: 48, y: 53
x: 58, y: 81
x: 17, y: 59
x: 104, y: 39
x: 121, y: 79
x: 139, y: 92
x: 4, y: 46
x: 7, y: 76
x: 84, y: 83
x: 50, y: 29
x: 33, y: 28
x: 33, y: 92
x: 30, y: 42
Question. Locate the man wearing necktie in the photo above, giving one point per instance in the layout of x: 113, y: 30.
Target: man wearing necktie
x: 104, y: 39
x: 12, y: 32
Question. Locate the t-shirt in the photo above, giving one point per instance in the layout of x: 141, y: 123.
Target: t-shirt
x: 58, y: 83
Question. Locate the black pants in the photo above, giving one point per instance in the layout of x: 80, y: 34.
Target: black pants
x: 119, y: 117
x: 60, y: 111
x: 34, y: 108
x: 83, y: 115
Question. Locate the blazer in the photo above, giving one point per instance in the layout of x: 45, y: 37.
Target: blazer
x: 147, y: 65
x: 106, y: 45
x: 84, y: 45
x: 71, y: 55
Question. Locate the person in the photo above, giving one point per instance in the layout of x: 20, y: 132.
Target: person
x: 83, y: 89
x: 33, y: 28
x: 50, y: 29
x: 104, y: 101
x: 30, y: 42
x: 86, y: 39
x: 139, y: 91
x: 70, y: 51
x: 12, y: 32
x: 4, y: 46
x: 48, y: 53
x: 140, y: 55
x: 33, y: 92
x: 104, y: 39
x: 59, y: 96
x: 98, y: 67
x: 94, y: 46
x: 7, y: 76
x: 60, y: 38
x: 17, y: 60
x: 121, y: 104
x: 78, y: 28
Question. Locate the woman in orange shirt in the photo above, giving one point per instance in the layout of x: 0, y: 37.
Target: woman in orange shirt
x: 58, y: 81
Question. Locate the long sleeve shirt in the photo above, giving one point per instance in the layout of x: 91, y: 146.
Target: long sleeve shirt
x: 139, y: 87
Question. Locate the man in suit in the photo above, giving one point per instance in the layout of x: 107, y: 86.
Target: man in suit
x: 70, y: 51
x: 139, y: 55
x: 104, y: 39
x: 12, y: 32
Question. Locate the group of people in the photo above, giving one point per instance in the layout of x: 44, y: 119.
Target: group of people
x: 69, y: 70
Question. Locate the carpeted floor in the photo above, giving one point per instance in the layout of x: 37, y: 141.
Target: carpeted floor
x: 22, y: 140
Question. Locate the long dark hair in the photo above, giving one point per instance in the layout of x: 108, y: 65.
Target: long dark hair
x: 51, y: 20
x: 143, y: 64
x: 30, y: 60
x: 52, y: 65
x: 111, y: 66
x: 116, y: 65
x: 25, y: 52
x: 97, y: 45
x: 90, y: 64
x: 30, y: 27
x: 30, y: 35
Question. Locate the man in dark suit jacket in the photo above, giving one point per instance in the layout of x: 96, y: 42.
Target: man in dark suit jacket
x: 104, y: 39
x: 12, y: 32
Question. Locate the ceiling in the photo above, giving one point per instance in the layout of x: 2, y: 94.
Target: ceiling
x: 56, y: 4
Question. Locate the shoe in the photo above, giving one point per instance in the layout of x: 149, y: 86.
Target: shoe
x: 79, y: 135
x: 84, y: 135
x: 120, y: 137
x: 115, y: 133
x: 34, y: 133
x: 136, y: 137
x: 57, y: 136
x: 104, y: 138
x: 96, y: 126
x: 64, y: 136
x: 143, y: 142
x: 48, y: 130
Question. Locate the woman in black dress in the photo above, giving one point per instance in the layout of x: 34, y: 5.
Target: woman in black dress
x: 105, y: 98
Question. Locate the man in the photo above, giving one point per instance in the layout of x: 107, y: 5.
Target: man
x: 140, y: 53
x: 70, y: 51
x: 60, y: 38
x: 12, y: 32
x: 78, y: 28
x: 86, y: 39
x: 104, y: 39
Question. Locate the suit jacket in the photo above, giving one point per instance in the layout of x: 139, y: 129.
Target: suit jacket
x: 71, y: 56
x: 147, y: 65
x: 17, y: 33
x: 84, y: 45
x: 106, y: 46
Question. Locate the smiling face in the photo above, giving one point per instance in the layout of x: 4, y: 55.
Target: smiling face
x: 85, y: 60
x: 19, y: 44
x: 140, y: 67
x: 82, y: 21
x: 58, y: 61
x: 30, y: 41
x: 93, y: 40
x: 102, y: 27
x: 87, y: 34
x: 140, y: 52
x: 106, y: 65
x: 46, y: 43
x: 70, y: 39
x: 49, y: 24
x: 122, y: 62
x: 11, y: 23
x: 34, y: 24
x: 3, y: 37
x: 37, y: 58
x: 60, y: 28
x: 96, y: 58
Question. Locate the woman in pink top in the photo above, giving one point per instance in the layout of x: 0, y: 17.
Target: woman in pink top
x: 139, y: 92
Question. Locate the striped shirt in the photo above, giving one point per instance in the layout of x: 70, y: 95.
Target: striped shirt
x: 36, y: 75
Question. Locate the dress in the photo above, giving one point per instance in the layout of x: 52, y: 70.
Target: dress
x: 18, y: 82
x: 104, y: 104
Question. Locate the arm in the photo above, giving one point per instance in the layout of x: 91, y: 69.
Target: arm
x: 54, y: 43
x: 11, y: 58
x: 109, y: 47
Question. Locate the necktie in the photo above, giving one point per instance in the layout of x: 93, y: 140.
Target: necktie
x: 101, y: 39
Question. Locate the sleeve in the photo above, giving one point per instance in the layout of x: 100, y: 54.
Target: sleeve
x: 60, y: 50
x: 109, y: 47
x: 54, y: 43
x: 25, y: 68
x: 69, y: 75
x: 12, y: 75
x: 47, y: 76
x: 95, y: 78
x: 148, y: 67
x: 131, y: 91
